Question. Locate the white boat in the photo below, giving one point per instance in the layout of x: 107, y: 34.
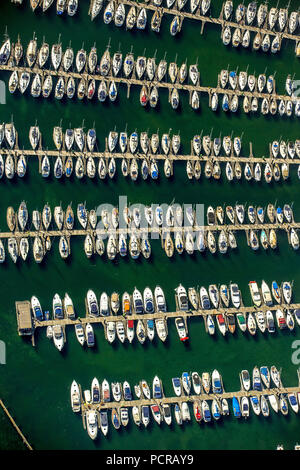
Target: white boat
x: 255, y: 294
x: 181, y: 329
x: 120, y: 331
x: 161, y: 329
x: 58, y: 337
x: 235, y: 295
x: 286, y: 289
x: 251, y: 324
x: 245, y: 379
x: 275, y: 375
x: 91, y: 417
x: 24, y: 248
x: 75, y: 397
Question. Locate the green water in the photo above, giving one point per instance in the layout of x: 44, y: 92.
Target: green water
x: 35, y: 381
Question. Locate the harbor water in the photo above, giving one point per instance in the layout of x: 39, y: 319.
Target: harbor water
x: 35, y: 382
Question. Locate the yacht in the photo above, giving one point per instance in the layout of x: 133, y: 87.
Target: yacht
x: 80, y: 335
x: 104, y: 305
x: 245, y: 380
x: 235, y: 295
x: 58, y: 337
x: 36, y: 309
x: 181, y: 329
x: 75, y: 397
x: 148, y: 300
x: 182, y: 298
x: 255, y: 294
x: 90, y: 337
x: 92, y: 423
x: 92, y: 304
x: 161, y: 328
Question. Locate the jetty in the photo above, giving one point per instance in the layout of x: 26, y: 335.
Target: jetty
x: 150, y: 230
x: 130, y: 81
x: 186, y: 315
x: 106, y: 154
x: 186, y: 398
x: 14, y: 424
x: 220, y: 21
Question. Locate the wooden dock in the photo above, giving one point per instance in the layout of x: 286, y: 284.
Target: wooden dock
x: 197, y: 16
x: 139, y: 155
x: 148, y: 83
x: 187, y: 398
x: 189, y: 314
x: 150, y: 230
x: 220, y: 21
x: 16, y: 427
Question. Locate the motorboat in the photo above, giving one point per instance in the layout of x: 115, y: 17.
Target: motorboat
x: 182, y: 298
x: 91, y: 418
x: 58, y: 337
x: 80, y: 333
x: 75, y: 397
x: 255, y: 293
x: 251, y: 324
x: 36, y: 309
x: 216, y: 382
x: 181, y: 329
x: 235, y: 295
x: 245, y: 380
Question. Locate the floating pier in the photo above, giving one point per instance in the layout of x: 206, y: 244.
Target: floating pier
x: 186, y: 314
x: 15, y: 425
x: 220, y: 21
x: 146, y: 82
x: 148, y: 230
x: 186, y: 398
x: 64, y: 154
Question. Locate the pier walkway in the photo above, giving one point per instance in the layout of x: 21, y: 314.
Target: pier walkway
x: 150, y: 230
x: 149, y: 83
x: 220, y: 21
x: 165, y: 315
x: 64, y: 154
x: 186, y: 398
x: 15, y: 425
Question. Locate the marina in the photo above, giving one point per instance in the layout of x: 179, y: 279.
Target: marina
x: 184, y: 183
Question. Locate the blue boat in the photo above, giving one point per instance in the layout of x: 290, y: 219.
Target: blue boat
x: 156, y: 388
x: 57, y: 307
x: 37, y: 309
x: 90, y: 337
x: 137, y: 302
x: 206, y: 412
x: 186, y: 382
x: 215, y: 410
x: 225, y: 103
x: 216, y: 382
x: 154, y: 171
x: 150, y: 329
x: 176, y: 385
x: 127, y: 391
x: 236, y: 407
x: 95, y: 391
